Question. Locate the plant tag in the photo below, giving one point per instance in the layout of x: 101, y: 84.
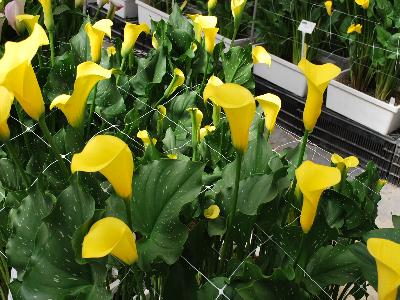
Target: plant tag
x: 392, y: 101
x: 306, y: 26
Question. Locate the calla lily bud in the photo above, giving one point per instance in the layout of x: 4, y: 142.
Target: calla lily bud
x: 172, y: 156
x: 318, y: 78
x: 96, y: 35
x: 110, y: 236
x: 261, y: 56
x: 328, y: 7
x: 206, y: 130
x: 11, y: 11
x: 162, y: 113
x: 28, y: 21
x: 380, y: 184
x: 111, y: 157
x: 344, y: 163
x: 209, y: 36
x: 211, y: 4
x: 48, y: 14
x: 154, y: 41
x: 212, y: 212
x: 6, y: 100
x: 131, y: 33
x: 237, y: 7
x: 357, y: 28
x: 144, y: 136
x: 177, y: 81
x: 17, y: 74
x: 111, y: 51
x: 312, y: 180
x: 73, y: 106
x: 363, y: 3
x: 271, y: 105
x: 386, y: 254
x: 239, y: 106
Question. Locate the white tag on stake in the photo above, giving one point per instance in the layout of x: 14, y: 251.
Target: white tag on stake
x: 306, y: 26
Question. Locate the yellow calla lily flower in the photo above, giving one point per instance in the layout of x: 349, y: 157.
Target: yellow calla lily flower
x: 110, y: 236
x: 17, y: 74
x: 202, y: 22
x: 318, y: 77
x: 206, y: 130
x: 313, y: 179
x: 261, y: 56
x: 341, y: 163
x: 154, y: 41
x: 209, y: 36
x: 73, y: 106
x: 111, y: 51
x: 177, y: 81
x: 131, y: 34
x: 111, y: 157
x: 328, y: 6
x: 96, y: 35
x: 363, y: 3
x: 6, y: 100
x: 386, y: 254
x: 271, y: 105
x: 239, y: 106
x: 48, y: 14
x: 212, y: 212
x: 237, y: 7
x: 354, y: 28
x: 214, y: 80
x: 29, y: 21
x: 144, y: 136
x: 172, y: 156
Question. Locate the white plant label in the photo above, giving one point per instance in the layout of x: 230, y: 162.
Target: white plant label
x: 306, y: 26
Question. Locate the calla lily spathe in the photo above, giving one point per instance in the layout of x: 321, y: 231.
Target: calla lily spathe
x: 202, y: 22
x: 111, y: 157
x: 29, y: 21
x: 17, y: 74
x: 73, y: 106
x: 386, y: 254
x: 261, y: 56
x: 355, y: 28
x: 328, y: 7
x: 96, y: 35
x: 177, y: 81
x: 237, y: 7
x: 131, y: 33
x: 12, y: 10
x: 318, y: 78
x: 110, y: 236
x: 344, y: 163
x: 209, y: 37
x: 6, y: 100
x: 162, y: 110
x: 239, y: 106
x: 212, y: 212
x: 145, y: 137
x: 312, y: 180
x: 271, y: 105
x: 47, y: 13
x: 363, y: 3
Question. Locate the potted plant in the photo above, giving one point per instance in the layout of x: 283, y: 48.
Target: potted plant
x: 367, y: 92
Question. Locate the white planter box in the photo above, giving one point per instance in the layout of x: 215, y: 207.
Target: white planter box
x: 283, y: 74
x: 362, y: 108
x: 129, y: 9
x: 146, y: 13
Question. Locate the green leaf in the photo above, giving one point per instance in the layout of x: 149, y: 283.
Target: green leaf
x: 52, y: 271
x: 216, y: 227
x: 210, y: 290
x: 392, y: 234
x: 366, y: 263
x: 80, y: 44
x: 25, y: 222
x: 160, y: 191
x: 9, y: 177
x: 331, y: 265
x: 396, y: 221
x: 109, y: 102
x: 238, y: 66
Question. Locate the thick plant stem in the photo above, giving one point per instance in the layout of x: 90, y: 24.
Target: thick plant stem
x: 194, y: 135
x: 205, y: 73
x: 228, y: 237
x: 216, y: 114
x: 235, y: 32
x: 53, y: 147
x: 92, y: 107
x: 52, y: 49
x: 17, y: 162
x: 302, y: 148
x: 267, y: 135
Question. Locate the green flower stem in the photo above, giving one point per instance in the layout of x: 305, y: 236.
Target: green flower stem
x: 53, y: 147
x: 205, y: 73
x: 343, y: 179
x: 91, y: 112
x: 235, y: 31
x: 194, y: 135
x: 267, y: 135
x: 122, y: 67
x: 216, y: 114
x: 17, y: 162
x: 302, y: 148
x: 52, y: 50
x: 301, y: 248
x: 160, y: 101
x: 228, y: 237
